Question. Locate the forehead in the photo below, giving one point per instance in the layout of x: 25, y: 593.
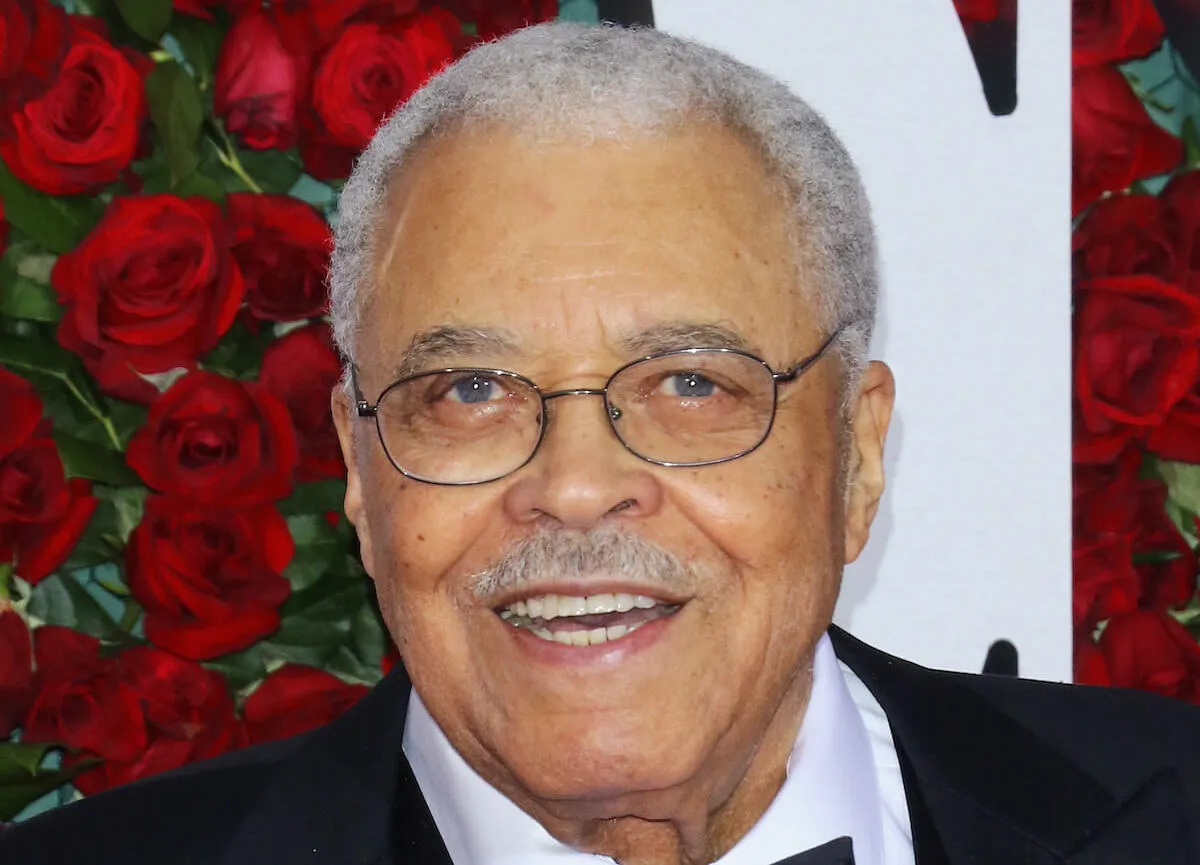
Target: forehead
x: 580, y: 246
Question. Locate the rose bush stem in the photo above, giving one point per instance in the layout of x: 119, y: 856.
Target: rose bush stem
x: 95, y: 411
x: 229, y: 159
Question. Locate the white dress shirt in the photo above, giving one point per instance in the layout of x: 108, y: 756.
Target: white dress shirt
x: 843, y: 778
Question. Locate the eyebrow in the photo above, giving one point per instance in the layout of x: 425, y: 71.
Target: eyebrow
x: 449, y: 343
x: 675, y: 335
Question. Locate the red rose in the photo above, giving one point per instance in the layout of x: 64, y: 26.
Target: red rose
x: 306, y: 25
x: 197, y: 8
x: 151, y: 288
x: 282, y: 248
x: 1181, y: 224
x: 21, y: 408
x: 141, y: 713
x: 189, y: 717
x: 384, y: 11
x: 216, y: 441
x: 391, y: 657
x: 1136, y: 355
x: 259, y: 84
x: 1149, y: 650
x: 83, y: 131
x: 1113, y: 140
x: 1112, y: 31
x: 80, y: 701
x: 1123, y: 235
x: 296, y: 699
x: 1113, y: 506
x: 1090, y: 667
x: 42, y: 514
x: 301, y: 369
x: 1178, y: 436
x: 16, y: 669
x: 33, y: 42
x: 209, y: 579
x: 493, y: 20
x: 368, y: 72
x: 1105, y: 581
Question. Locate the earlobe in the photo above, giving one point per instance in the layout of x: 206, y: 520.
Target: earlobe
x: 343, y: 421
x: 868, y: 434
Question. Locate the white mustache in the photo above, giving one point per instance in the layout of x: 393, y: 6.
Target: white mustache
x: 558, y: 555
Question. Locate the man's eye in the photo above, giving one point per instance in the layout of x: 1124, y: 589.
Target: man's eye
x: 688, y: 384
x: 474, y: 389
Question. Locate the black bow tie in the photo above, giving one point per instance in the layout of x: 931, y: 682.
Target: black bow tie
x: 837, y: 852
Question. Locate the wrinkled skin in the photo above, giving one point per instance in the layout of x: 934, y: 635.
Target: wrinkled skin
x: 670, y: 751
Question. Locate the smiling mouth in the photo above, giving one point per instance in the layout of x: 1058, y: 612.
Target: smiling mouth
x: 591, y: 620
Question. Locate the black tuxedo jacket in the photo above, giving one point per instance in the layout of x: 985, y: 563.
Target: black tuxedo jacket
x: 997, y: 771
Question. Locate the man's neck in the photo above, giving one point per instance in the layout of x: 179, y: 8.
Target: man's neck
x: 693, y: 826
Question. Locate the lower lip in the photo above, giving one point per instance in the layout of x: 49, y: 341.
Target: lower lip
x: 548, y: 652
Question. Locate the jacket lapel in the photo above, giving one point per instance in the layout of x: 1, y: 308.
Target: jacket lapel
x: 346, y: 796
x: 985, y: 789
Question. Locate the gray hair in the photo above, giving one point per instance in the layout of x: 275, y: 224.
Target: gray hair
x: 584, y: 82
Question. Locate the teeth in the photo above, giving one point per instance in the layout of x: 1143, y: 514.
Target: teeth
x: 616, y: 632
x: 579, y: 638
x: 596, y: 636
x: 549, y: 607
x: 592, y: 637
x: 563, y: 637
x: 569, y: 605
x: 601, y: 604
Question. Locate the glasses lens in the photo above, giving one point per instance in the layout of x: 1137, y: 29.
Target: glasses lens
x: 460, y: 427
x: 693, y: 406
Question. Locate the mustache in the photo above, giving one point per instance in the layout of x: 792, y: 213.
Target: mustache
x: 554, y: 555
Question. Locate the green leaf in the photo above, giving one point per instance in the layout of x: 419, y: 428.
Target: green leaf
x: 36, y: 355
x: 85, y: 459
x: 60, y: 600
x: 239, y: 353
x: 1183, y: 483
x: 19, y: 759
x: 315, y: 498
x: 200, y: 42
x: 1191, y: 140
x: 21, y: 297
x: 273, y: 170
x: 200, y: 184
x: 23, y: 780
x: 178, y: 113
x: 129, y: 503
x: 146, y: 18
x: 58, y: 222
x: 15, y: 796
x: 370, y: 636
x: 242, y: 668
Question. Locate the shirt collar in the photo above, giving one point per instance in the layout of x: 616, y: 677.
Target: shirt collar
x: 831, y: 790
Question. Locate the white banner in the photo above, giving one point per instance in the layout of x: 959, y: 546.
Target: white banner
x: 973, y: 541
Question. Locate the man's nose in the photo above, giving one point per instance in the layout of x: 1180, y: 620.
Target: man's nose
x: 582, y: 473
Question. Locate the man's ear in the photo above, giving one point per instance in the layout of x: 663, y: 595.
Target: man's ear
x: 344, y: 418
x: 871, y: 414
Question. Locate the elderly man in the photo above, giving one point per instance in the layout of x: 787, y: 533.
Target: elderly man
x: 605, y: 298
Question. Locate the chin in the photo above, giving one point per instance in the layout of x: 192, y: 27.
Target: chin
x: 596, y: 762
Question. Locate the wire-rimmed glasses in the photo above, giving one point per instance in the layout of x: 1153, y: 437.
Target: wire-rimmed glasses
x: 688, y: 407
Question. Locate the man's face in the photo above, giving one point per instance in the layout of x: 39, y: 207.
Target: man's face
x: 582, y: 256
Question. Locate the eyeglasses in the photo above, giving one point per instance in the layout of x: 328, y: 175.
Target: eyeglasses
x: 685, y: 408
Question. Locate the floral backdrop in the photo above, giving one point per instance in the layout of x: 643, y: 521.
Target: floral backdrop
x: 176, y: 578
